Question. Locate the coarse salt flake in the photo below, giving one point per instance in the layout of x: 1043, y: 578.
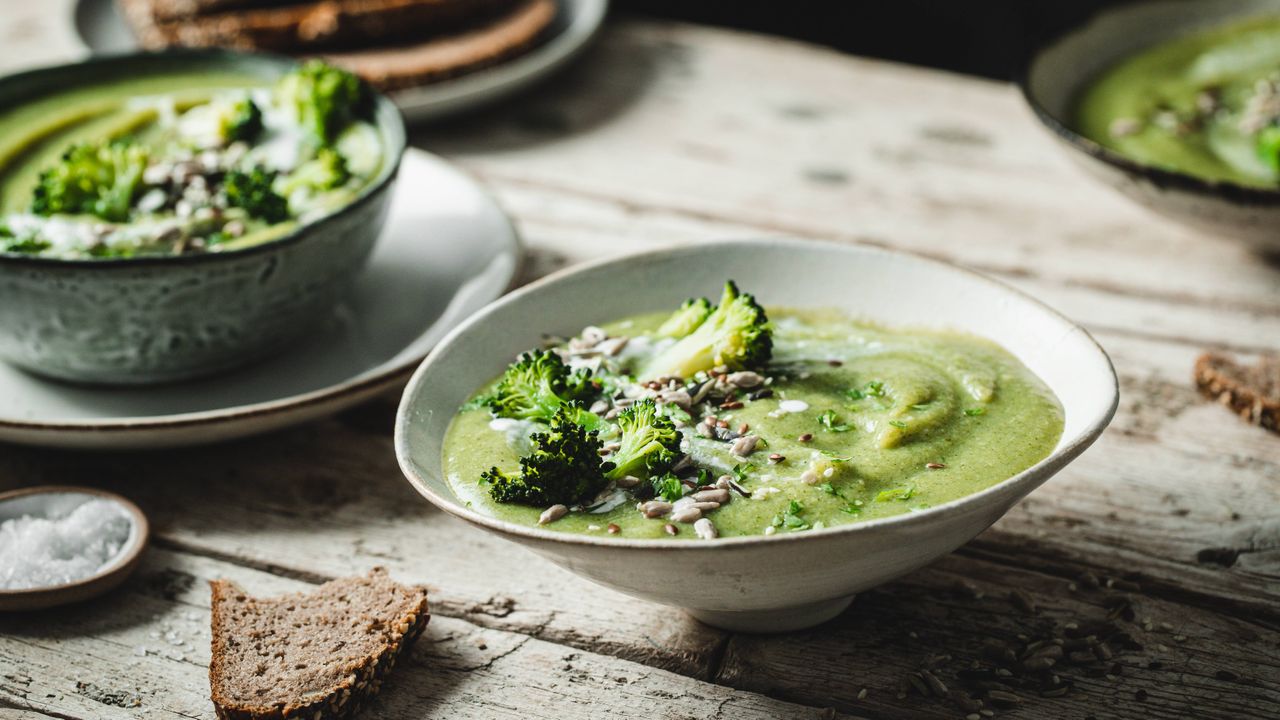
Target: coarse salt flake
x: 44, y: 551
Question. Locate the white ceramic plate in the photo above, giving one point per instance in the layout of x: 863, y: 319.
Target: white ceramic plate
x: 101, y: 30
x: 447, y: 251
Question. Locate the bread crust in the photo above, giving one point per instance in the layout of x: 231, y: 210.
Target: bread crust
x: 439, y: 58
x: 345, y: 697
x: 302, y: 26
x: 1252, y: 392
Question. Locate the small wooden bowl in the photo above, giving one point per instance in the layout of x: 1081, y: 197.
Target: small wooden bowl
x: 111, y: 575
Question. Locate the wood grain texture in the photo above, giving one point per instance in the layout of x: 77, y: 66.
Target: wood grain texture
x: 142, y: 651
x: 669, y: 134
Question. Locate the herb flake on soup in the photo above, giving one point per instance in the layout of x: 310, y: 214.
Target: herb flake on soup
x: 1206, y: 104
x: 724, y: 420
x: 182, y: 163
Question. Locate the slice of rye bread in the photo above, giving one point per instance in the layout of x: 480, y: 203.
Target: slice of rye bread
x: 394, y: 67
x: 316, y: 655
x: 1252, y: 391
x: 302, y: 26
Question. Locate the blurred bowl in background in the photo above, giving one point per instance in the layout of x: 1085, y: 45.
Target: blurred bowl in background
x: 1059, y: 71
x: 149, y: 319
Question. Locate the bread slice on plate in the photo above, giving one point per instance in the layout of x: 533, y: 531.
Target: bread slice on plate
x: 298, y: 26
x: 316, y: 655
x: 1253, y: 392
x: 407, y: 64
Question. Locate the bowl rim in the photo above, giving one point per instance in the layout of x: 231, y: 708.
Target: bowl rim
x: 1059, y: 457
x: 130, y: 552
x: 387, y: 118
x: 1162, y: 177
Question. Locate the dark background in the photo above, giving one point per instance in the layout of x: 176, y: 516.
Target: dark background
x: 981, y: 37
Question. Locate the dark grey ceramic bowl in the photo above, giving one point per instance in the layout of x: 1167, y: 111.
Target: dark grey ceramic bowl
x: 160, y: 319
x: 1061, y: 69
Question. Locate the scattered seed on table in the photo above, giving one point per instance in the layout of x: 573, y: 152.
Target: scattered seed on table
x: 1001, y: 697
x: 1022, y: 601
x: 862, y: 694
x: 918, y: 683
x: 936, y: 686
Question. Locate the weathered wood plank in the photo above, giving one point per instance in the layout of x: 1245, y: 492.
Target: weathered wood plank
x: 329, y: 500
x: 142, y: 651
x: 565, y: 228
x: 1177, y: 662
x: 714, y: 130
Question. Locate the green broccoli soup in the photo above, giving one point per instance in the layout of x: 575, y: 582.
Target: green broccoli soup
x: 1207, y: 104
x: 719, y: 421
x: 182, y: 163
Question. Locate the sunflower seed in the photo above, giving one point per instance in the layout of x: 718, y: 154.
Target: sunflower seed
x: 706, y: 529
x: 552, y: 514
x: 718, y: 495
x: 744, y: 445
x: 656, y: 508
x: 687, y: 514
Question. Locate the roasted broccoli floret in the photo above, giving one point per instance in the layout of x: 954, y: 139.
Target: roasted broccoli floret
x: 536, y: 385
x: 648, y: 444
x: 100, y: 179
x: 252, y: 190
x: 241, y: 120
x: 736, y: 335
x: 327, y: 170
x: 686, y: 319
x: 564, y: 467
x: 325, y: 98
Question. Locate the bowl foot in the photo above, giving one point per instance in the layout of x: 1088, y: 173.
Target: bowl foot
x: 797, y: 617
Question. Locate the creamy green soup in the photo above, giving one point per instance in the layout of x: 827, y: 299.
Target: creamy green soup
x: 850, y: 422
x: 182, y: 162
x: 1207, y: 104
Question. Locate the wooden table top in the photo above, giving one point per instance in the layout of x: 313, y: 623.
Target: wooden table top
x: 668, y: 134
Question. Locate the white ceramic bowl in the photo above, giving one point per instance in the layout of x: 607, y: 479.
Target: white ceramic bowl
x: 1061, y: 69
x: 762, y: 583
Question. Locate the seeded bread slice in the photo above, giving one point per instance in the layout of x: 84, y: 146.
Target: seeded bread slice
x: 1252, y: 391
x: 300, y: 26
x: 397, y: 66
x: 317, y: 655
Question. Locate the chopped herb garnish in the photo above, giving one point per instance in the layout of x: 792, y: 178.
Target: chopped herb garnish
x: 921, y: 406
x: 742, y: 471
x: 875, y: 388
x: 901, y: 424
x: 675, y: 412
x: 792, y: 518
x: 854, y: 394
x: 836, y: 458
x: 829, y: 489
x: 668, y: 487
x: 831, y: 421
x: 975, y: 411
x: 905, y: 492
